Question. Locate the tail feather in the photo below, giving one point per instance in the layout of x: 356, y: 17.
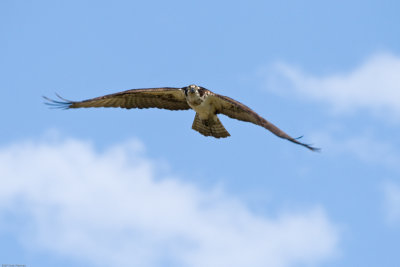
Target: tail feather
x: 210, y: 127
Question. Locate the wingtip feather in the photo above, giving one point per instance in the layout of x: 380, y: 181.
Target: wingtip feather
x: 310, y: 147
x: 56, y: 104
x: 314, y: 149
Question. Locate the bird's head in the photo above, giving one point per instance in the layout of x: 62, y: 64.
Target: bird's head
x: 192, y: 90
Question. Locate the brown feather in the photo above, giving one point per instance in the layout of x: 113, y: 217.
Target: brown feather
x: 209, y: 127
x: 164, y: 98
x: 239, y: 111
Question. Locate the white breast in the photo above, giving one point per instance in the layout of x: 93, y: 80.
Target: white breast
x: 205, y: 109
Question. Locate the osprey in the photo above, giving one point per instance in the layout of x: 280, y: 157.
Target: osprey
x: 205, y: 103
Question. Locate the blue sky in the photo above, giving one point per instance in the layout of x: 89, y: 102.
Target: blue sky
x: 110, y: 187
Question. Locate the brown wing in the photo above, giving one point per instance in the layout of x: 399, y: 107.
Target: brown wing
x: 237, y: 110
x: 165, y: 98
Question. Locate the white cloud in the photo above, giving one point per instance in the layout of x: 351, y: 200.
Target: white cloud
x: 109, y: 208
x: 374, y: 85
x: 392, y: 202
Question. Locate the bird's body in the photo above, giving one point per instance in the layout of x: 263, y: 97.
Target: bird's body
x: 205, y: 103
x: 202, y: 104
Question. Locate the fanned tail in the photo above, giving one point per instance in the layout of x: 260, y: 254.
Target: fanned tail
x: 210, y: 127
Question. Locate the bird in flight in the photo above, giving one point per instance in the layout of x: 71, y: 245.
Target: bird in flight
x: 205, y: 103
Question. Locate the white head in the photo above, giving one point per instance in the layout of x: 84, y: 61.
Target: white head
x: 192, y: 90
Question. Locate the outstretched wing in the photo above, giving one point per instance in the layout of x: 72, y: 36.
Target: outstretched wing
x: 164, y: 98
x: 237, y: 110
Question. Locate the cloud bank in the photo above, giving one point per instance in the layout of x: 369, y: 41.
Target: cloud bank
x: 110, y: 208
x: 374, y: 85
